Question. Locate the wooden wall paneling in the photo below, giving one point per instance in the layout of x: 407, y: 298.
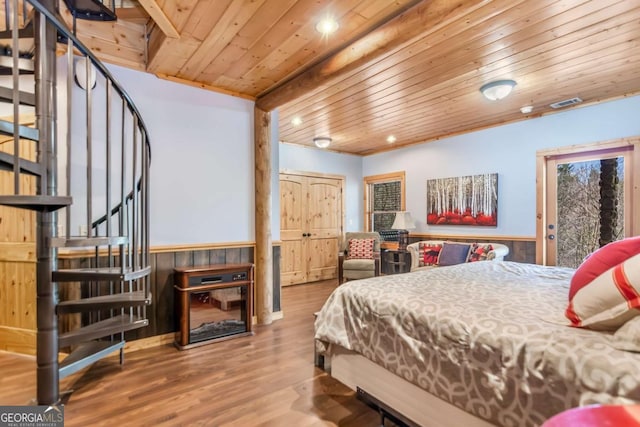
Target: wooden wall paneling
x: 152, y: 310
x: 276, y: 280
x: 217, y: 256
x: 183, y: 259
x: 160, y: 18
x: 161, y: 313
x: 18, y: 257
x: 165, y: 311
x: 233, y: 256
x: 201, y: 257
x: 246, y: 255
x: 68, y: 291
x: 521, y: 250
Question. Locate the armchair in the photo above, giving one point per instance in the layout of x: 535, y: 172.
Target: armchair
x: 352, y: 265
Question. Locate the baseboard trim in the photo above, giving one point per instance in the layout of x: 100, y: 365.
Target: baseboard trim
x: 18, y: 340
x: 150, y: 342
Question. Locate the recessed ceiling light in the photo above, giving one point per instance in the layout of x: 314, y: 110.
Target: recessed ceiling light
x: 391, y: 139
x: 296, y: 121
x: 526, y: 109
x: 327, y: 26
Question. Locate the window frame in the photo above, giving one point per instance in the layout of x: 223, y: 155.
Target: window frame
x: 378, y: 179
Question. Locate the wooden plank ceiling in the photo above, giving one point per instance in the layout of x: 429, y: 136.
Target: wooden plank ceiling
x: 406, y: 68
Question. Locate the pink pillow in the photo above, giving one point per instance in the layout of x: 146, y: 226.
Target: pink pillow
x: 601, y: 260
x: 361, y: 249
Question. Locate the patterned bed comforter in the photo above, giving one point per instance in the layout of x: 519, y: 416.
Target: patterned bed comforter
x: 482, y: 337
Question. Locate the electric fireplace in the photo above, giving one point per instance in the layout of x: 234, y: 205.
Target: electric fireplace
x: 214, y: 303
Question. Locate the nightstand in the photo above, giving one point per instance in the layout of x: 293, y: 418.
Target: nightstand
x: 395, y: 261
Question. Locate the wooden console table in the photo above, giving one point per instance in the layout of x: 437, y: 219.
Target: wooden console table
x: 213, y: 303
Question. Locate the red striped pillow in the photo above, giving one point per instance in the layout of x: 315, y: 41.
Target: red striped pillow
x: 603, y: 259
x: 609, y: 300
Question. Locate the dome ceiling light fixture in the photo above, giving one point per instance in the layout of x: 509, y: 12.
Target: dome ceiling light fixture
x: 391, y: 139
x: 498, y: 89
x: 322, y: 141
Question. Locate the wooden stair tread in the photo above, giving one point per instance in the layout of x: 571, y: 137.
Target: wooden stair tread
x: 101, y: 273
x: 125, y: 299
x: 103, y: 328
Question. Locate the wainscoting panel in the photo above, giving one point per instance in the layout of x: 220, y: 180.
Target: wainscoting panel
x: 162, y: 313
x: 520, y: 249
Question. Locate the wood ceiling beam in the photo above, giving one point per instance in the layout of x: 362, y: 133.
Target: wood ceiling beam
x: 423, y: 18
x: 160, y: 18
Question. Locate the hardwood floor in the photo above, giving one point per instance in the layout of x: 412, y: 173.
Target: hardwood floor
x: 265, y: 380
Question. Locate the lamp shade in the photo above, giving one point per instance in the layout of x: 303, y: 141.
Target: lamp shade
x: 403, y: 221
x: 499, y: 89
x: 322, y: 141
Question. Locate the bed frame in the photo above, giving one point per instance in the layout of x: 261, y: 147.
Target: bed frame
x: 406, y: 400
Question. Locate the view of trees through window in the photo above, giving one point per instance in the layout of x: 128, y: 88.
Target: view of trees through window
x: 590, y: 208
x: 386, y: 201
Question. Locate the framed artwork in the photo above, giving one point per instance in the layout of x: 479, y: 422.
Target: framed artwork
x: 464, y: 200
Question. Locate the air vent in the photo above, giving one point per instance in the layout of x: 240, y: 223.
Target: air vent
x: 566, y: 103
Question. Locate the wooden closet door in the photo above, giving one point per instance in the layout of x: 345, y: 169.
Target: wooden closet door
x: 324, y: 228
x: 310, y: 228
x: 293, y: 213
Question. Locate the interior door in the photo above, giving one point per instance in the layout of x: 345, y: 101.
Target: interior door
x: 324, y: 228
x: 577, y: 210
x: 310, y: 227
x: 293, y: 213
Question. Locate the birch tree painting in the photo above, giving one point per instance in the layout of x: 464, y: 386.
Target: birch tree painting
x: 464, y: 200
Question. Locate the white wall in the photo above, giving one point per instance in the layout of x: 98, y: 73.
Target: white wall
x: 202, y: 181
x: 299, y: 158
x: 202, y: 162
x: 510, y: 151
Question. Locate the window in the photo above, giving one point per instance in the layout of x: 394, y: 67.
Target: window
x: 384, y: 196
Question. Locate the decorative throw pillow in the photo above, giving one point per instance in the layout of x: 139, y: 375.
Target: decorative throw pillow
x: 360, y: 249
x: 454, y: 253
x: 601, y: 260
x: 479, y: 252
x: 609, y: 300
x: 428, y: 254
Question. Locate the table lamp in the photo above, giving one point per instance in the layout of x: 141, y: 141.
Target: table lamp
x: 403, y: 223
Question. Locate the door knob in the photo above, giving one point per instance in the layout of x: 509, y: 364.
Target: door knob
x: 551, y: 236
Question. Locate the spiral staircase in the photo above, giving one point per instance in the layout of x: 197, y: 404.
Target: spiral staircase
x: 88, y: 170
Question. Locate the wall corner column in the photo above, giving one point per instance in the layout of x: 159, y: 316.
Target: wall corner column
x: 264, y: 248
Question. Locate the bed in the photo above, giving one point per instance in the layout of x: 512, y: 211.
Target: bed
x: 475, y: 344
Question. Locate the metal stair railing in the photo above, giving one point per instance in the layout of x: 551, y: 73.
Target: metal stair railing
x: 115, y: 283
